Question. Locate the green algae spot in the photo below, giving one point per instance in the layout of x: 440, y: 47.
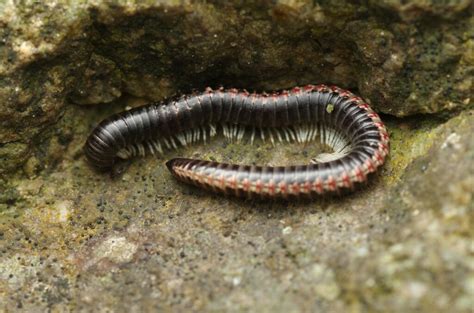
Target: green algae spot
x: 330, y: 108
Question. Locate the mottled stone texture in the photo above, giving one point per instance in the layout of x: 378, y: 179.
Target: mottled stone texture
x: 404, y: 57
x: 74, y: 240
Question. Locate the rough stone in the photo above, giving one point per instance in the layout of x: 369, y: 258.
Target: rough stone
x: 405, y: 57
x: 72, y: 239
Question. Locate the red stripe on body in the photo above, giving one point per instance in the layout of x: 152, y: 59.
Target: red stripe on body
x: 318, y: 185
x: 331, y: 183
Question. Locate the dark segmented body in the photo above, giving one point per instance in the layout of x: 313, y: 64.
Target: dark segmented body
x: 326, y: 107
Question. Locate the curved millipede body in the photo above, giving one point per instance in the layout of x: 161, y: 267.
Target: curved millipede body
x: 335, y: 116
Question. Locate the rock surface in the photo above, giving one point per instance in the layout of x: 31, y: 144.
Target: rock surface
x: 73, y: 240
x: 404, y: 57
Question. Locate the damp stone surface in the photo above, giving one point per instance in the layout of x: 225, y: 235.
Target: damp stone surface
x: 72, y: 239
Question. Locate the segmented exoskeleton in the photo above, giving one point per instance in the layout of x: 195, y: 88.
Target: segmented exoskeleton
x: 335, y: 116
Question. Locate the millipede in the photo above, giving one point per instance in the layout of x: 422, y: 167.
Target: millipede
x: 336, y: 117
